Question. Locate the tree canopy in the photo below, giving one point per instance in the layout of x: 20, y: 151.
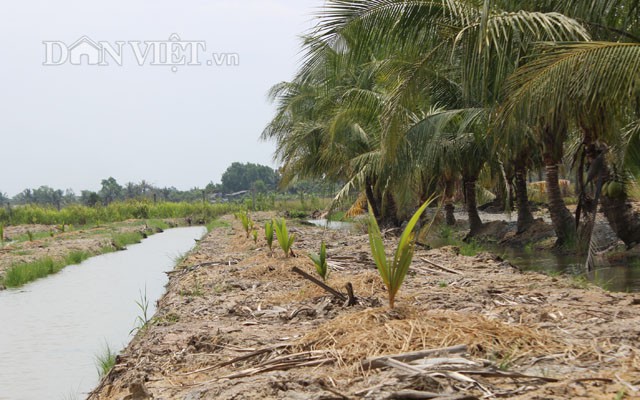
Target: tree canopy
x: 248, y: 176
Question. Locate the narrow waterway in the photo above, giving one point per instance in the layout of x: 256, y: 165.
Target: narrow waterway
x: 52, y: 330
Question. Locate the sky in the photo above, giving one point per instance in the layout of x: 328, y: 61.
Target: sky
x: 70, y: 126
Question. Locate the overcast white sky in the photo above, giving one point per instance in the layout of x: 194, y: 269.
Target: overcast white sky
x: 71, y: 126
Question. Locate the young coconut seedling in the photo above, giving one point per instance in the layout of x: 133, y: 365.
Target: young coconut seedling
x: 254, y: 234
x: 320, y: 260
x: 247, y: 224
x: 268, y: 235
x: 285, y: 240
x: 393, y: 271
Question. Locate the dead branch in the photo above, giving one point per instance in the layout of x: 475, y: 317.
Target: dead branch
x: 238, y: 359
x: 378, y: 362
x: 327, y: 288
x: 506, y: 374
x: 452, y: 271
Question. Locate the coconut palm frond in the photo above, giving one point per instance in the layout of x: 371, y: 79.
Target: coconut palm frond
x: 567, y: 76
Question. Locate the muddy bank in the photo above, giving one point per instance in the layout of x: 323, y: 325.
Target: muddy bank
x: 236, y: 323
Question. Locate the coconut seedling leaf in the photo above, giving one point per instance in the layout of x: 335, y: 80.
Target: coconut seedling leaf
x: 285, y: 240
x: 320, y: 260
x: 268, y: 234
x: 377, y: 248
x: 393, y: 272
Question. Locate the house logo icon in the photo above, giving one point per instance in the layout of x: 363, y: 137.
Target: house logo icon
x: 85, y: 51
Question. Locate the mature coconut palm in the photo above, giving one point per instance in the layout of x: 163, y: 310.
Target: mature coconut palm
x: 329, y: 124
x: 592, y: 96
x: 484, y: 43
x: 592, y: 84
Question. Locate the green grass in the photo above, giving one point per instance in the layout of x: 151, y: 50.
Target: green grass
x: 76, y: 257
x: 114, y: 212
x: 216, y: 223
x: 31, y: 236
x: 143, y: 319
x: 157, y: 224
x: 21, y: 274
x: 579, y: 282
x: 470, y: 248
x: 105, y: 361
x: 445, y: 232
x: 121, y: 240
x: 446, y: 236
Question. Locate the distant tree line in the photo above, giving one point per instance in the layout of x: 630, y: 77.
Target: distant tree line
x: 238, y: 177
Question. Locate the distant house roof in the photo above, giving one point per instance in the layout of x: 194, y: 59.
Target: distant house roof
x: 237, y: 193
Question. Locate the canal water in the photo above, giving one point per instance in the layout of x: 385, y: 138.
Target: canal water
x: 52, y: 330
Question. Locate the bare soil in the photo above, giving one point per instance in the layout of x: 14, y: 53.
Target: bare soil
x: 236, y: 323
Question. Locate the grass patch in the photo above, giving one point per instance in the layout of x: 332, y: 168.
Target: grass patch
x: 216, y: 223
x: 105, y: 361
x: 21, y: 274
x: 579, y: 282
x: 31, y: 236
x: 121, y: 240
x: 445, y: 232
x: 76, y: 257
x: 470, y: 248
x: 157, y: 225
x: 114, y: 212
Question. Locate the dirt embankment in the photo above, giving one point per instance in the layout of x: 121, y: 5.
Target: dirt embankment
x: 236, y: 323
x: 52, y: 241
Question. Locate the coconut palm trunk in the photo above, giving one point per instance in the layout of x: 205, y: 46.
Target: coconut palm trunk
x: 563, y: 221
x: 525, y: 217
x: 622, y: 218
x: 390, y: 211
x: 372, y: 198
x: 449, y: 207
x: 475, y: 223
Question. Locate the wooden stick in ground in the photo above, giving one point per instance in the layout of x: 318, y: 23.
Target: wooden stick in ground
x: 352, y: 297
x: 329, y: 289
x: 379, y: 362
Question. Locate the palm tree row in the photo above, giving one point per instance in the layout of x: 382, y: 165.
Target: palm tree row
x: 404, y: 98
